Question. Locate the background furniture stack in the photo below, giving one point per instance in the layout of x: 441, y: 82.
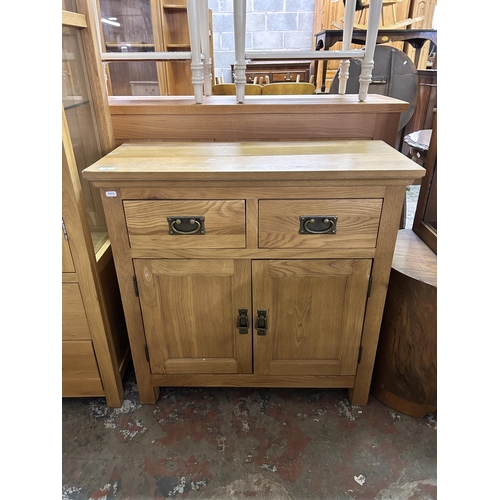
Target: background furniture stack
x: 176, y: 33
x: 405, y: 372
x: 345, y: 55
x: 328, y: 15
x: 95, y: 348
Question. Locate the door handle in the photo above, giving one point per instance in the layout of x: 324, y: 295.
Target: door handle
x: 261, y: 324
x: 242, y: 323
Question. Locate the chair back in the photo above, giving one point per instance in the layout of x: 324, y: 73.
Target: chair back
x: 288, y: 88
x: 230, y: 89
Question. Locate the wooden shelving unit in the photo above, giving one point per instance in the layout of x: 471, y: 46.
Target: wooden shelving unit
x: 95, y: 348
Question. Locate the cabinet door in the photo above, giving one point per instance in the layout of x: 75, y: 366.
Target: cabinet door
x: 190, y: 313
x: 314, y: 312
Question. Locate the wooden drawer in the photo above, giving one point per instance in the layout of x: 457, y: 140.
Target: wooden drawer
x: 357, y: 223
x: 78, y: 359
x: 74, y: 318
x: 149, y: 228
x: 80, y: 374
x: 288, y: 76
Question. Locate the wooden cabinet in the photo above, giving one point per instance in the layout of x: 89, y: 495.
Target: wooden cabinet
x: 95, y: 348
x: 276, y: 71
x: 254, y: 264
x: 131, y: 26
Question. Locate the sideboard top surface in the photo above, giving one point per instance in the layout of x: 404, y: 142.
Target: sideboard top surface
x: 260, y: 161
x: 256, y: 104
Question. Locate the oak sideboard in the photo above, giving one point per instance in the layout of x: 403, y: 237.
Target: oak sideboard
x: 256, y: 264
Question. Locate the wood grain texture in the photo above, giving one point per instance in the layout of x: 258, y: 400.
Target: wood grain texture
x: 73, y: 19
x: 78, y: 360
x: 148, y: 226
x: 253, y: 380
x: 190, y: 310
x: 405, y: 372
x: 316, y: 298
x: 414, y: 258
x: 115, y: 218
x: 314, y: 313
x: 261, y: 118
x: 67, y: 260
x: 74, y: 319
x: 357, y: 224
x: 96, y: 76
x: 239, y: 191
x: 389, y: 223
x: 82, y: 250
x: 80, y: 375
x: 323, y: 104
x: 292, y: 160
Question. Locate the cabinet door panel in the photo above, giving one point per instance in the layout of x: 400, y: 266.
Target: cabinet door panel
x: 314, y: 311
x: 190, y: 311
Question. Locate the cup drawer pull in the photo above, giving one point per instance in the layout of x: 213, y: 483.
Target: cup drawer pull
x: 183, y: 225
x: 318, y: 224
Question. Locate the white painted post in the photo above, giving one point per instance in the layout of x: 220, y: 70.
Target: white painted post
x: 195, y: 41
x: 367, y: 64
x: 239, y: 13
x: 205, y: 46
x: 349, y: 10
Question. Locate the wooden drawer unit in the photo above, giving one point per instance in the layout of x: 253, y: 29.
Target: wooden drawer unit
x: 163, y: 223
x: 351, y: 223
x: 81, y: 375
x: 284, y: 286
x: 75, y: 325
x: 277, y: 71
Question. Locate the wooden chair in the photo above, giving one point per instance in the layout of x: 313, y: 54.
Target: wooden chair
x: 345, y: 55
x: 230, y: 89
x: 288, y: 88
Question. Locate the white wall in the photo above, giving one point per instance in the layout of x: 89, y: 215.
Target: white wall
x: 271, y: 24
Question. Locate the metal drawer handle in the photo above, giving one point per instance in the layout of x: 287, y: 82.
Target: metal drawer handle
x: 314, y: 224
x: 175, y: 222
x: 261, y: 324
x: 242, y: 323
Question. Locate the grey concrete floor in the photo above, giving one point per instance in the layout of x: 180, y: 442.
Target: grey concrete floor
x: 222, y: 443
x: 412, y: 193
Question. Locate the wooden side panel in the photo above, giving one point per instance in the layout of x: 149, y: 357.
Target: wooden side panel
x: 190, y: 310
x: 80, y: 373
x: 68, y: 265
x: 315, y: 312
x: 235, y: 127
x: 74, y: 320
x: 357, y: 224
x: 148, y: 225
x: 113, y: 304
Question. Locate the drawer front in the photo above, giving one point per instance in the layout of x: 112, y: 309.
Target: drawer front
x: 350, y: 223
x: 216, y: 224
x: 74, y: 318
x: 78, y: 360
x: 289, y: 76
x: 80, y: 374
